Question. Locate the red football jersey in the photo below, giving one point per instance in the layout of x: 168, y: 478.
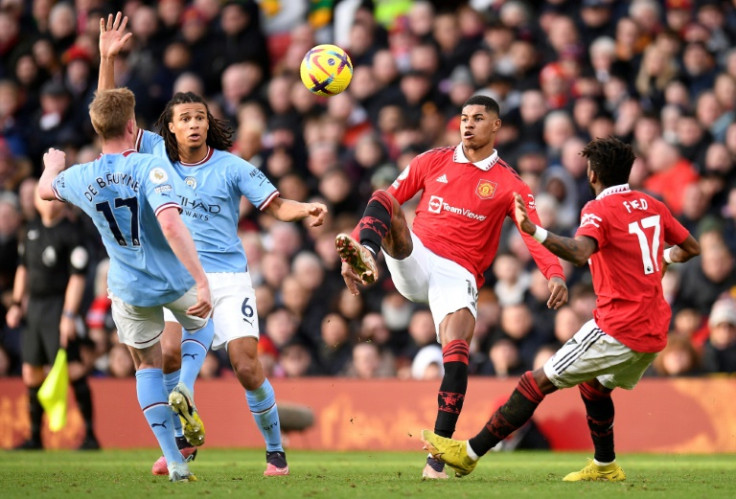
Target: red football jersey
x: 463, y: 206
x: 631, y: 229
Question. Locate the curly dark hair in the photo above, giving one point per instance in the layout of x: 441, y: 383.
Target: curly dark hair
x: 219, y: 135
x: 611, y: 159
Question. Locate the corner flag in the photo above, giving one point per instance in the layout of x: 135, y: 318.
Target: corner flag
x: 53, y: 392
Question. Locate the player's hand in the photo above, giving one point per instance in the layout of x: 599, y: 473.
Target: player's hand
x: 318, y: 212
x: 522, y: 216
x: 203, y: 307
x: 112, y: 35
x: 13, y: 317
x: 351, y: 278
x: 558, y: 293
x: 67, y: 330
x: 54, y: 160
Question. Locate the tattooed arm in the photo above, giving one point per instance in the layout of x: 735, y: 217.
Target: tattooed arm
x: 576, y: 250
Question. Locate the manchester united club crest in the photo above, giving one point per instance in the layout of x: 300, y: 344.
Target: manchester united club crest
x: 486, y: 189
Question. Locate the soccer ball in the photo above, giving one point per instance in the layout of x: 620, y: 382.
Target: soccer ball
x: 326, y: 70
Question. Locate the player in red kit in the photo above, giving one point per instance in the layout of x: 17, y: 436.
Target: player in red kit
x: 467, y: 192
x: 622, y: 235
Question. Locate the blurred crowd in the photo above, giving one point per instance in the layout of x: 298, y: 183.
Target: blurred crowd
x: 658, y: 74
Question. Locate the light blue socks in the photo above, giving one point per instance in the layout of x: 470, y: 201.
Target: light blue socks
x: 154, y: 403
x: 194, y: 348
x: 262, y: 403
x: 170, y: 381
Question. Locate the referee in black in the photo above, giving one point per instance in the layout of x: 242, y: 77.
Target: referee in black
x: 50, y: 281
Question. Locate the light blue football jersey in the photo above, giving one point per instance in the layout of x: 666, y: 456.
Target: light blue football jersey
x: 210, y: 200
x: 122, y: 193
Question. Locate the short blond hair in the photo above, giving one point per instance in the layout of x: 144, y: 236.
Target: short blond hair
x: 110, y: 111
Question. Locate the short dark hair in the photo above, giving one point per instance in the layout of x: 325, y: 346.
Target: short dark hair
x: 219, y: 135
x: 611, y: 159
x: 485, y: 101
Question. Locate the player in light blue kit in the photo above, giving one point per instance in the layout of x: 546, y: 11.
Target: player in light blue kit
x: 196, y: 144
x: 132, y: 200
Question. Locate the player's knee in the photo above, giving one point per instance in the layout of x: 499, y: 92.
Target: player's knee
x: 248, y: 372
x: 543, y: 382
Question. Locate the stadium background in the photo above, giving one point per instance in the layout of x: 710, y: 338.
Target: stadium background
x: 659, y: 74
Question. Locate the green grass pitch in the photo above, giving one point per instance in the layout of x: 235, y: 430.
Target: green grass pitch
x: 237, y: 473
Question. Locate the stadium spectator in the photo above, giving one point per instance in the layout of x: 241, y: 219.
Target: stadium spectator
x: 679, y: 358
x: 710, y: 276
x: 671, y: 174
x: 365, y: 361
x: 120, y: 363
x: 450, y: 283
x: 427, y: 363
x: 719, y: 352
x: 627, y: 336
x: 334, y: 347
x: 53, y: 124
x: 535, y: 300
x: 10, y: 223
x: 512, y: 281
x: 296, y: 360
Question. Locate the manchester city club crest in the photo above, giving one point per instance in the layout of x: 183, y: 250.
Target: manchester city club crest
x: 191, y: 182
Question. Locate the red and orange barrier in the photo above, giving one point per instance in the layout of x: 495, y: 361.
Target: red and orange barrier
x: 693, y: 415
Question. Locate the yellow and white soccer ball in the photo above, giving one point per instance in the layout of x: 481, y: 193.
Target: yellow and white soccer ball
x: 326, y: 70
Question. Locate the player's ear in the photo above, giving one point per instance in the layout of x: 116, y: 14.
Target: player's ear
x: 592, y: 176
x: 171, y: 126
x: 497, y: 124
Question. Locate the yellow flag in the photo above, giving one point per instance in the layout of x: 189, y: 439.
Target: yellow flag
x: 53, y: 392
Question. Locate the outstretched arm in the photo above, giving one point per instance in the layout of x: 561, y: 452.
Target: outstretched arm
x: 287, y: 210
x: 576, y: 250
x: 112, y: 40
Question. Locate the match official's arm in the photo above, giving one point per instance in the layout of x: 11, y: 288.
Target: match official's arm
x: 182, y: 245
x: 15, y: 312
x: 72, y: 302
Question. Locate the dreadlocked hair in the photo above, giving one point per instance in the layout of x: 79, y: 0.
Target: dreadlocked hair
x: 611, y: 159
x: 219, y: 134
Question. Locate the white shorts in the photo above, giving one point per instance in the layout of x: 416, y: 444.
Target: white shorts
x: 424, y: 277
x: 592, y: 353
x: 141, y: 327
x: 234, y: 303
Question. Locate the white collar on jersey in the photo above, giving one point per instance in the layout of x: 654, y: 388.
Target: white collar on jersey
x: 614, y: 189
x: 484, y: 164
